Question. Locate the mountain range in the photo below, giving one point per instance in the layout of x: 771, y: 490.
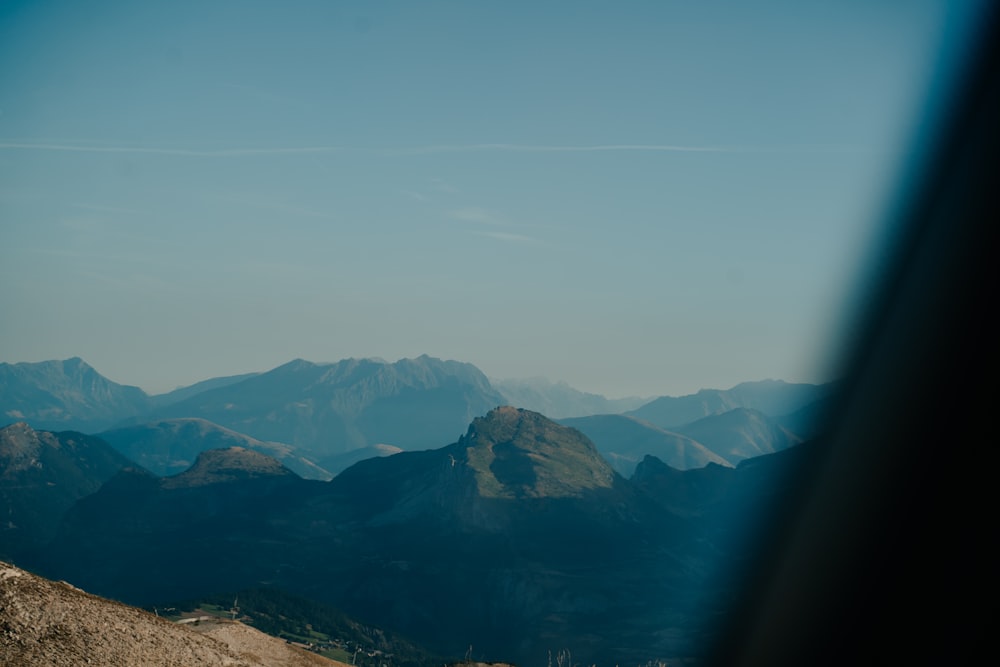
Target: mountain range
x: 725, y: 438
x: 770, y: 397
x: 518, y: 538
x: 319, y: 418
x: 600, y: 533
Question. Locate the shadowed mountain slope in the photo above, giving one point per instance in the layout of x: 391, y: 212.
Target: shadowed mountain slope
x: 805, y: 422
x: 142, y: 538
x: 730, y: 505
x: 41, y: 475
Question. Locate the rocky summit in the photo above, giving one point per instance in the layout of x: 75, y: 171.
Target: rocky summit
x: 232, y: 464
x: 517, y: 453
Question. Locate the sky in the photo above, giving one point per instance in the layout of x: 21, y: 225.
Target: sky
x: 637, y: 198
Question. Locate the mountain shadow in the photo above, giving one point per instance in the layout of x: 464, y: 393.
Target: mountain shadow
x: 41, y: 475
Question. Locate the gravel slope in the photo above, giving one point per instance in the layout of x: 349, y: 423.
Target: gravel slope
x: 45, y: 623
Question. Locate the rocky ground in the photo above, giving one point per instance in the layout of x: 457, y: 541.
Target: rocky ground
x: 46, y: 623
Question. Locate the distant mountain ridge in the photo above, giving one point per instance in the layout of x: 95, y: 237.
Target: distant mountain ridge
x: 711, y: 426
x: 327, y: 409
x: 66, y: 396
x: 318, y: 418
x: 320, y: 409
x: 170, y: 446
x: 740, y: 434
x: 771, y: 397
x: 558, y: 400
x: 182, y: 393
x: 625, y: 440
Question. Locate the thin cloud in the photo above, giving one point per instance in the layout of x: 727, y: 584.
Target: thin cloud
x: 423, y: 150
x: 180, y: 152
x: 618, y: 148
x: 455, y: 148
x: 547, y: 148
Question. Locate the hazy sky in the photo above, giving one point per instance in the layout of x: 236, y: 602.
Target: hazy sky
x: 639, y: 198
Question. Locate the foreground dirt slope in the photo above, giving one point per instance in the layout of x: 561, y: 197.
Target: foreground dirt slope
x: 46, y: 623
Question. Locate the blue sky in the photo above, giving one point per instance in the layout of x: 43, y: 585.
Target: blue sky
x: 639, y: 198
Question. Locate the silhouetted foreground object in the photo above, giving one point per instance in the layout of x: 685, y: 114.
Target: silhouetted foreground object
x: 890, y: 558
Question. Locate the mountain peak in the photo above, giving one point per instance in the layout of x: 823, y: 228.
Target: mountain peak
x: 76, y: 363
x: 215, y: 466
x: 503, y: 421
x: 297, y: 364
x: 66, y: 395
x: 516, y: 453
